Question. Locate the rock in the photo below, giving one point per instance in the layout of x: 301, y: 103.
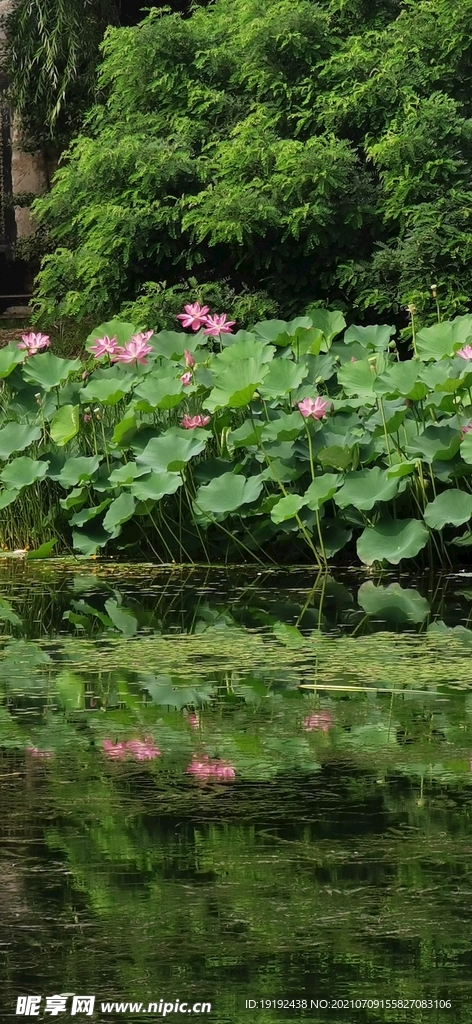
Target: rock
x: 20, y: 311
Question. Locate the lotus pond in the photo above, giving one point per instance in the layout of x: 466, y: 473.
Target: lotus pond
x: 223, y: 785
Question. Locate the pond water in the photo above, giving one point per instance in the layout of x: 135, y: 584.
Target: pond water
x: 249, y: 789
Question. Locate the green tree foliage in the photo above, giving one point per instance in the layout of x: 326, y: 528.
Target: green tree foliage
x: 51, y: 55
x: 316, y: 152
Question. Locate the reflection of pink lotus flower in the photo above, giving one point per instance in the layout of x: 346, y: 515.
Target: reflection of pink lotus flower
x: 206, y: 769
x: 190, y: 422
x: 105, y: 347
x: 465, y: 352
x: 218, y: 324
x: 32, y: 343
x: 193, y: 720
x: 322, y: 721
x: 189, y: 360
x: 37, y: 752
x: 140, y: 750
x: 194, y: 316
x: 135, y: 350
x: 186, y: 378
x: 313, y: 407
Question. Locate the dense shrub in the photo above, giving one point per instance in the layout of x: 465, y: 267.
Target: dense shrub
x: 314, y: 152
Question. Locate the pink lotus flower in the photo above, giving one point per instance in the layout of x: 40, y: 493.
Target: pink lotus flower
x: 189, y: 359
x: 32, y: 343
x: 104, y: 347
x: 186, y: 378
x: 218, y: 325
x: 321, y: 721
x: 194, y: 316
x: 134, y: 351
x: 313, y: 407
x: 190, y: 422
x: 193, y: 720
x: 140, y: 750
x: 215, y: 769
x: 466, y: 429
x: 87, y: 417
x: 41, y: 754
x: 465, y: 352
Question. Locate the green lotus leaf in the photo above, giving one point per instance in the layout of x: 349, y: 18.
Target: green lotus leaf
x: 445, y: 338
x: 365, y: 487
x: 172, y: 450
x: 399, y: 379
x: 248, y: 435
x: 401, y: 469
x: 307, y: 341
x: 125, y: 474
x: 235, y: 386
x: 23, y: 472
x: 392, y: 540
x: 452, y: 507
x: 124, y: 429
x: 7, y: 497
x: 86, y: 514
x: 286, y: 508
x: 157, y: 392
x: 48, y: 370
x: 330, y: 322
x: 283, y: 376
x: 393, y: 603
x: 44, y: 551
x: 284, y: 427
x: 64, y: 424
x: 278, y: 470
x: 375, y: 336
x: 227, y: 493
x: 435, y: 442
x: 358, y: 378
x: 172, y: 344
x: 10, y: 356
x: 322, y: 489
x: 335, y: 456
x: 436, y: 375
x: 78, y: 469
x: 389, y: 417
x: 76, y: 497
x: 119, y: 329
x: 245, y: 348
x: 155, y: 486
x: 465, y: 448
x: 108, y: 391
x: 15, y: 437
x: 120, y: 510
x: 271, y: 330
x: 89, y: 541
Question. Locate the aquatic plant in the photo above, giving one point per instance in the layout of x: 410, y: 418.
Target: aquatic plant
x: 302, y: 436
